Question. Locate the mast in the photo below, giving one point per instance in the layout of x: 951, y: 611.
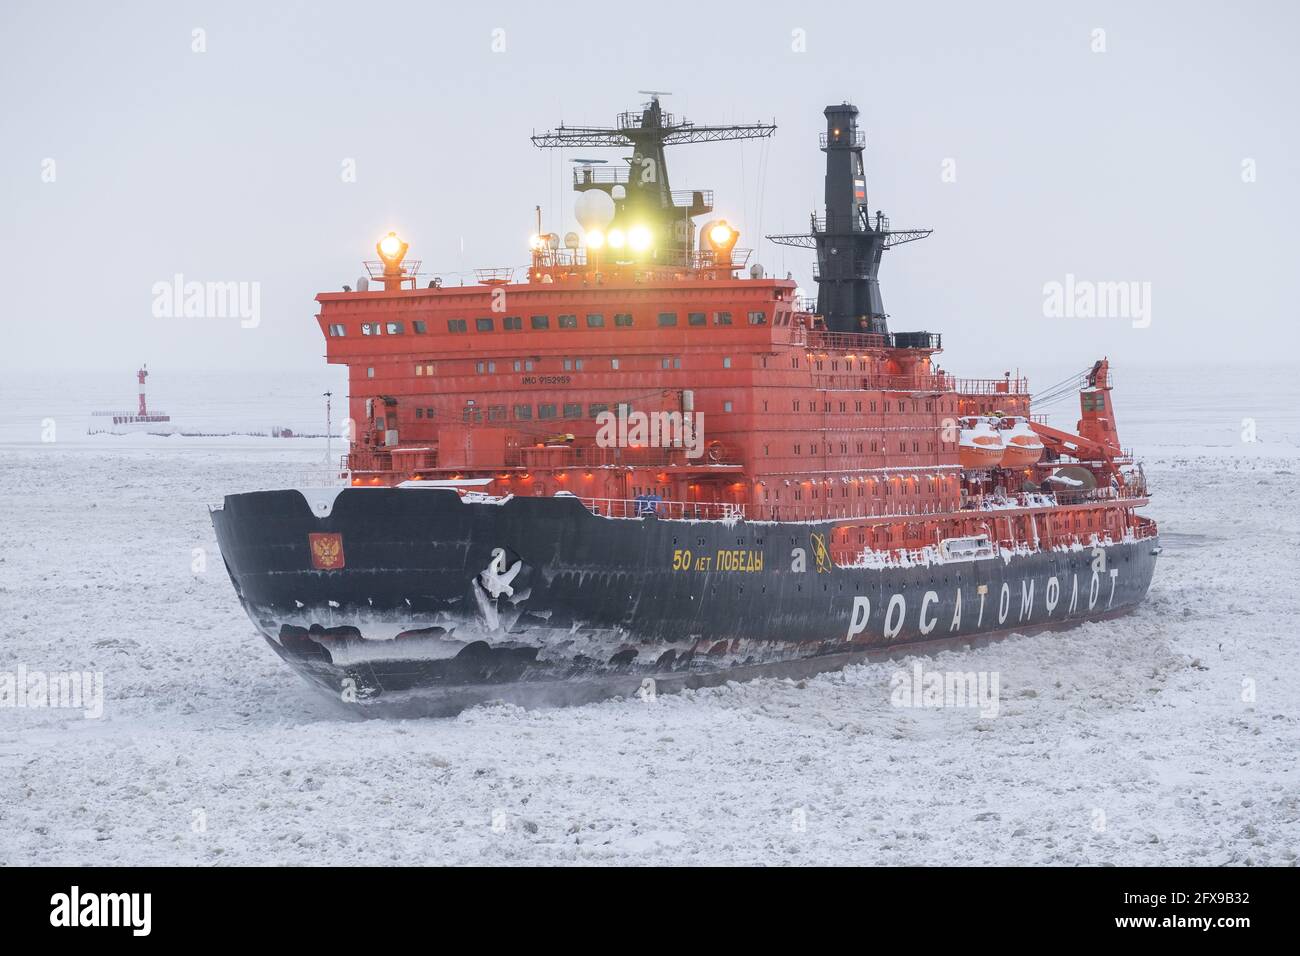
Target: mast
x: 848, y: 239
x: 642, y: 191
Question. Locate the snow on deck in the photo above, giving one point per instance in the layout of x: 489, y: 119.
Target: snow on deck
x: 1126, y: 742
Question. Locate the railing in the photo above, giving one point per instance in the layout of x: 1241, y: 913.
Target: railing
x: 608, y: 260
x: 681, y: 510
x: 594, y: 456
x: 843, y: 138
x: 991, y: 386
x: 846, y: 341
x: 621, y: 176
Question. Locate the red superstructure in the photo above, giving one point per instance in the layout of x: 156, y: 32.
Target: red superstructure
x: 506, y: 380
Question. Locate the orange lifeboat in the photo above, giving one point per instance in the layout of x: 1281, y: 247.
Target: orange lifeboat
x: 980, y: 444
x: 1023, y: 446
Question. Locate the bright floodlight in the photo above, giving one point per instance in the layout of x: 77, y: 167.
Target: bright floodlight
x: 595, y: 238
x: 720, y: 234
x: 638, y: 238
x: 616, y: 239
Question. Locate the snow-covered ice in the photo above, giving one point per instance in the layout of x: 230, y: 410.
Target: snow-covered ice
x: 1127, y: 742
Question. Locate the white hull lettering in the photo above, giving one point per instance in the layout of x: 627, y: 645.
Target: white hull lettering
x: 930, y: 598
x: 858, y: 620
x: 1053, y: 595
x: 1004, y: 603
x: 894, y: 623
x: 956, y: 614
x: 1026, y: 599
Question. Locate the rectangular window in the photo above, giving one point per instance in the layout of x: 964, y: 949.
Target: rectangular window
x: 623, y: 319
x: 540, y: 322
x: 568, y: 321
x: 512, y: 323
x: 371, y: 328
x: 758, y: 318
x: 419, y: 413
x: 726, y: 361
x: 419, y: 370
x: 572, y: 410
x: 338, y: 330
x: 595, y: 320
x: 496, y: 413
x: 370, y: 372
x: 428, y: 413
x: 484, y: 325
x: 456, y: 325
x: 667, y: 318
x: 613, y: 363
x: 545, y: 411
x: 726, y: 406
x: 419, y: 326
x: 396, y: 328
x: 696, y: 318
x: 597, y: 408
x: 573, y: 365
x: 721, y: 318
x: 523, y: 413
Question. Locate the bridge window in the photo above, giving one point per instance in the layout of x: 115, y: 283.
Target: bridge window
x: 623, y: 319
x: 396, y: 328
x: 595, y: 320
x: 484, y: 325
x: 758, y: 318
x: 696, y: 318
x: 419, y: 326
x: 512, y: 323
x: 371, y: 328
x: 572, y: 410
x: 545, y: 411
x: 523, y: 413
x: 568, y: 321
x: 496, y: 413
x: 456, y: 325
x: 338, y: 330
x: 667, y: 318
x: 721, y: 318
x: 597, y: 408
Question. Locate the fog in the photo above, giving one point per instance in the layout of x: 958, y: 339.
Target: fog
x: 274, y: 144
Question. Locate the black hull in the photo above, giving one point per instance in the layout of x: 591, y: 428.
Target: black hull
x: 442, y: 602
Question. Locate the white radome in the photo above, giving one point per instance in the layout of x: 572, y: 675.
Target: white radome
x: 594, y: 209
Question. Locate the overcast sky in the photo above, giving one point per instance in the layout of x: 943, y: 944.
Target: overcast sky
x: 1162, y: 151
